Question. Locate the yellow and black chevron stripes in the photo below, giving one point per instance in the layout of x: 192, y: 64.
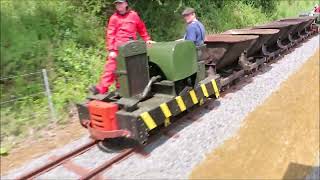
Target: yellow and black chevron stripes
x: 165, y: 109
x: 167, y: 113
x: 181, y: 104
x: 161, y: 115
x: 148, y: 120
x: 204, y: 90
x: 215, y: 88
x: 194, y: 97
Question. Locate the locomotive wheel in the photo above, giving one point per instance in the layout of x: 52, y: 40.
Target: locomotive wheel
x: 116, y: 144
x: 226, y: 87
x: 254, y: 70
x: 236, y: 81
x: 105, y: 147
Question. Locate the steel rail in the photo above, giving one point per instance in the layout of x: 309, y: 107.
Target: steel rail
x: 108, y: 164
x: 62, y: 159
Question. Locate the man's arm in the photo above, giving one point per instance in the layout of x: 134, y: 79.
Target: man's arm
x: 142, y: 30
x: 111, y: 33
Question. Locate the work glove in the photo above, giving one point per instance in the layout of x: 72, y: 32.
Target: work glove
x: 112, y: 54
x: 150, y: 42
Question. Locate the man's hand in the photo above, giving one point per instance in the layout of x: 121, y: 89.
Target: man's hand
x: 150, y: 42
x: 112, y: 54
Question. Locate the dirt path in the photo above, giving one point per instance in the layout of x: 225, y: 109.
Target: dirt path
x: 280, y: 139
x: 33, y: 148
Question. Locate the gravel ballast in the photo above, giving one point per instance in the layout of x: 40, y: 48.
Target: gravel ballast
x: 176, y: 157
x: 315, y: 173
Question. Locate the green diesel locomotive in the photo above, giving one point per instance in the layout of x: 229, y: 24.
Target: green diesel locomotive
x: 156, y: 83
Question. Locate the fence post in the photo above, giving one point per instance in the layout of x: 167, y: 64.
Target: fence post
x: 48, y: 93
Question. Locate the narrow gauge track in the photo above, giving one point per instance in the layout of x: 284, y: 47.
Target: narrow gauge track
x: 108, y: 164
x: 77, y: 152
x: 57, y: 162
x: 125, y: 153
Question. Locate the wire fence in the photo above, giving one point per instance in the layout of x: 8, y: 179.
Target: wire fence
x: 38, y: 100
x: 10, y: 100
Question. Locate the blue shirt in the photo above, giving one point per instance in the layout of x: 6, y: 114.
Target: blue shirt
x: 195, y: 32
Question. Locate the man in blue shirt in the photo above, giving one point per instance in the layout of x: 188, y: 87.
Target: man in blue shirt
x: 195, y: 30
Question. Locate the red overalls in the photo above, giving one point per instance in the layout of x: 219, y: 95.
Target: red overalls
x: 121, y: 29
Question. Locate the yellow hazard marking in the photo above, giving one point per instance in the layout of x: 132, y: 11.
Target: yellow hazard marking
x: 167, y: 122
x: 193, y: 97
x: 165, y: 109
x: 148, y: 120
x: 201, y: 102
x: 204, y: 90
x: 215, y: 88
x: 181, y: 104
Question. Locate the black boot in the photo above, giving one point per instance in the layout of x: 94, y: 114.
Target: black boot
x: 94, y: 90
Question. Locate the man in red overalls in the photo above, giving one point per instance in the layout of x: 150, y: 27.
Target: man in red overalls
x: 123, y: 26
x: 316, y: 9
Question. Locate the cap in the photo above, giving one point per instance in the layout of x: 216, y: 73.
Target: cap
x: 188, y: 11
x: 119, y: 1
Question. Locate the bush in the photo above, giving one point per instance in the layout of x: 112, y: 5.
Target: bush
x: 291, y: 8
x: 232, y: 15
x: 45, y: 34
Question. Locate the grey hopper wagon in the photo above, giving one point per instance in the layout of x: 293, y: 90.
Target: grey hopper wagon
x: 293, y: 31
x: 224, y: 50
x: 311, y: 19
x: 264, y: 36
x: 283, y: 33
x: 303, y: 23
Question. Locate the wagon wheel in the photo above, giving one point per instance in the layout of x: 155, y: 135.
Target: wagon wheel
x: 116, y: 144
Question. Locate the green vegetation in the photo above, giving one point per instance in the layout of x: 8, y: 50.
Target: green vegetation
x: 292, y: 7
x: 55, y: 35
x: 67, y: 38
x: 3, y: 152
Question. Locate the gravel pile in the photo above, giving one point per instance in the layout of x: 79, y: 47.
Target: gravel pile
x: 176, y: 157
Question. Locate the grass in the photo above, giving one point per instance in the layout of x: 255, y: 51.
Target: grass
x: 234, y: 15
x: 292, y: 8
x: 45, y: 34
